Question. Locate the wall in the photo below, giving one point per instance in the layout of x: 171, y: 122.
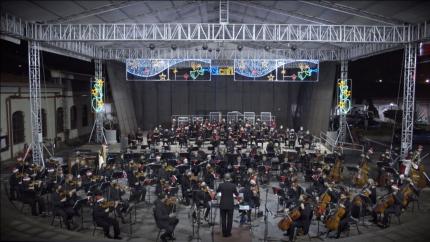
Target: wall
x: 53, y: 97
x: 156, y: 102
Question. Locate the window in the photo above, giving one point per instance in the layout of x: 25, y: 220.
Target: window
x: 44, y: 124
x: 73, y: 119
x: 84, y: 116
x: 60, y: 120
x: 18, y: 127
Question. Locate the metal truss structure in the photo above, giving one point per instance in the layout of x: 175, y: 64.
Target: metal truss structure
x: 223, y: 11
x: 223, y: 54
x: 408, y: 98
x: 35, y: 102
x: 322, y: 33
x: 342, y: 116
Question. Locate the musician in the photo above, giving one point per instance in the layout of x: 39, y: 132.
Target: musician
x: 251, y: 197
x: 186, y: 187
x: 164, y: 219
x: 227, y: 190
x: 307, y: 139
x: 291, y: 139
x: 344, y: 220
x: 115, y: 194
x: 62, y: 207
x: 30, y: 194
x: 394, y: 209
x: 300, y: 136
x: 209, y: 176
x: 14, y: 184
x: 305, y: 218
x: 294, y: 193
x: 270, y: 148
x: 202, y: 199
x: 102, y: 219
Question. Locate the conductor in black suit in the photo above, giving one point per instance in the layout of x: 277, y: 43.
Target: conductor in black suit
x: 227, y: 189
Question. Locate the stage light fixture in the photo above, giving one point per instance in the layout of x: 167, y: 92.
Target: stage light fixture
x: 380, y: 80
x: 217, y: 50
x: 293, y: 48
x: 210, y: 49
x: 239, y: 47
x: 427, y: 80
x: 266, y: 48
x: 151, y: 46
x: 205, y: 47
x: 174, y: 47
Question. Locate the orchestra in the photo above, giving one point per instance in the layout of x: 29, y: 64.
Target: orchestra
x: 245, y: 156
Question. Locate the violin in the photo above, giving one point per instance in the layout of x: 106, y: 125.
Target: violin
x: 285, y: 223
x: 107, y: 204
x: 333, y: 221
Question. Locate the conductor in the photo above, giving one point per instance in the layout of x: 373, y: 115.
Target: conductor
x: 227, y: 189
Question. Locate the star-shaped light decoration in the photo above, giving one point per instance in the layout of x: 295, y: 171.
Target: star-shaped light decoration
x: 294, y: 77
x: 283, y: 72
x: 162, y: 76
x: 175, y: 71
x: 270, y: 77
x: 254, y: 72
x: 100, y: 82
x: 264, y: 63
x: 341, y: 104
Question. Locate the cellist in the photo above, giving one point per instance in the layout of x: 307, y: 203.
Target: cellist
x: 304, y: 221
x: 394, y: 208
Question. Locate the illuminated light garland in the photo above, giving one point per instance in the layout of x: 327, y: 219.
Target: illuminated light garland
x: 345, y: 92
x: 156, y: 69
x: 97, y: 95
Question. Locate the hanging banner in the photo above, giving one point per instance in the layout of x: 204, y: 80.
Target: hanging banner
x: 344, y: 90
x: 276, y: 70
x: 168, y: 69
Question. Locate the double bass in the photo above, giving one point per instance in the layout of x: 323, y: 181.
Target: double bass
x: 336, y: 172
x: 360, y: 179
x: 285, y: 223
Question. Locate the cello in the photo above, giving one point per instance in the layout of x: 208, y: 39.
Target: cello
x: 360, y: 179
x: 285, y: 223
x: 333, y: 221
x: 323, y: 202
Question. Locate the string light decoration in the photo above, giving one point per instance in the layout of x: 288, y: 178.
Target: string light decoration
x: 279, y: 70
x: 97, y: 95
x: 168, y: 69
x: 344, y: 88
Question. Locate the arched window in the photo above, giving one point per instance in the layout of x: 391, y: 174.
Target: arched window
x: 18, y: 129
x: 73, y: 118
x: 44, y: 123
x: 60, y: 120
x: 84, y: 116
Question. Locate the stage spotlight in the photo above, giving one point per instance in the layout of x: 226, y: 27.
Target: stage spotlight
x: 380, y: 80
x: 239, y: 47
x: 174, y: 47
x: 293, y: 48
x: 196, y: 49
x: 427, y: 80
x: 205, y: 47
x: 217, y: 50
x: 266, y: 48
x: 210, y: 49
x: 151, y: 46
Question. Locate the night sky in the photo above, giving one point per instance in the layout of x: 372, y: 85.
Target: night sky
x: 366, y: 73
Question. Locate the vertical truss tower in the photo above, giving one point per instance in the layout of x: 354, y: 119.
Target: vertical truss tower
x: 410, y: 65
x: 35, y: 102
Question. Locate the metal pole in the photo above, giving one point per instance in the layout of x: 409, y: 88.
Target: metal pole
x: 223, y: 11
x: 35, y: 102
x: 98, y: 128
x: 410, y: 63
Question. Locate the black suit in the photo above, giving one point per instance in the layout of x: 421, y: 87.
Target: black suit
x: 162, y: 219
x: 227, y: 190
x: 102, y: 219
